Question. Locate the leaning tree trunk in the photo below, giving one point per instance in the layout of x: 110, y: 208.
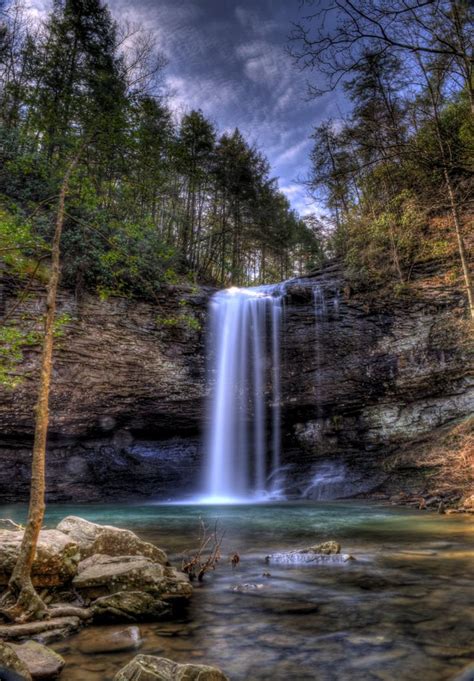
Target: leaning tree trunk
x: 28, y: 604
x: 461, y: 244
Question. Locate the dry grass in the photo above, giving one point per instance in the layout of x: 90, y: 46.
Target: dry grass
x: 447, y: 458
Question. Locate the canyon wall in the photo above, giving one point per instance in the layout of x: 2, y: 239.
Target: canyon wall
x: 363, y: 378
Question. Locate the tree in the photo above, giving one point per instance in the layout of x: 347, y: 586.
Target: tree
x: 381, y: 53
x: 28, y: 603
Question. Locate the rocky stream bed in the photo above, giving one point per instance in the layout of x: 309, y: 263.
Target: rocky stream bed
x: 326, y: 592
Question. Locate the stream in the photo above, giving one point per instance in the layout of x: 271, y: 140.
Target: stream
x: 402, y: 610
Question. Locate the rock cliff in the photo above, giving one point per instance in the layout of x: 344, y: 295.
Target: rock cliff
x: 363, y: 377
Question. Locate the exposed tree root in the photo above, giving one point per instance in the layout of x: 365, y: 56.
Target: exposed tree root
x: 70, y: 611
x: 11, y: 632
x: 21, y: 603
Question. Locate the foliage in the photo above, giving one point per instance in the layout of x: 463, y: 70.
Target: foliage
x: 152, y: 201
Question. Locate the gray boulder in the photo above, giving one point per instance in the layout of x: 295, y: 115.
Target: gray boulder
x: 11, y: 667
x: 41, y: 662
x: 56, y: 560
x: 129, y: 606
x: 111, y: 541
x: 149, y: 668
x: 102, y: 575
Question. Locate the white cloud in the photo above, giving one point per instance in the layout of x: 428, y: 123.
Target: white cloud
x: 293, y: 152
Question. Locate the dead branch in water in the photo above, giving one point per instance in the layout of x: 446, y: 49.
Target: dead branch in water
x: 207, y: 555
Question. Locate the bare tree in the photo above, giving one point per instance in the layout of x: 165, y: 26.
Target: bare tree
x: 334, y: 36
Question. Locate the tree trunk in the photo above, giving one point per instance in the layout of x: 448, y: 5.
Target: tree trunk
x: 461, y: 245
x: 28, y: 604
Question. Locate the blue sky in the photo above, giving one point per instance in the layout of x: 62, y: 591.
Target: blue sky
x: 228, y: 58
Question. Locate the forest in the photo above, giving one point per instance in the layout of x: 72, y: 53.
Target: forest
x: 394, y: 174
x: 154, y: 198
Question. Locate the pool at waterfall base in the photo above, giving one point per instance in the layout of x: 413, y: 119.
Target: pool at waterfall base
x: 402, y: 610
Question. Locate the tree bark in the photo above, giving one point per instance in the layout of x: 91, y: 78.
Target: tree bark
x: 28, y: 603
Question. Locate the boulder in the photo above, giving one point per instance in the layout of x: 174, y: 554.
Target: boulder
x: 149, y: 668
x: 57, y: 556
x: 108, y: 540
x: 107, y: 641
x: 129, y: 606
x: 11, y: 667
x: 102, y: 575
x: 326, y: 553
x: 41, y: 662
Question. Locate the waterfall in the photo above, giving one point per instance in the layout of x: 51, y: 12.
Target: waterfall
x: 245, y: 327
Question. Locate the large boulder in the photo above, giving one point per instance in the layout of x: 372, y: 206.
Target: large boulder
x: 129, y: 606
x: 11, y: 667
x: 56, y: 560
x: 41, y: 662
x: 108, y: 540
x: 102, y: 575
x: 149, y: 668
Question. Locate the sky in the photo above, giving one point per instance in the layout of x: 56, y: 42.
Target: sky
x: 228, y: 58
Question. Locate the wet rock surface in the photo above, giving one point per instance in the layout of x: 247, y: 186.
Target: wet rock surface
x: 131, y: 606
x: 327, y: 553
x: 105, y: 641
x: 148, y: 668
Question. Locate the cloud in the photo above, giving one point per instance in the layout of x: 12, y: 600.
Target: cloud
x: 293, y: 152
x: 253, y: 22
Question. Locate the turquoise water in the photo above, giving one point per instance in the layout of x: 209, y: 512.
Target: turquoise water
x: 402, y: 610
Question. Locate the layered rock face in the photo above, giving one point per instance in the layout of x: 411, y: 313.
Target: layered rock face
x: 127, y: 398
x: 362, y: 377
x: 365, y: 377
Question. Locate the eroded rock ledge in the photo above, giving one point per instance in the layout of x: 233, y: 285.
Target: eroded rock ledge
x: 371, y: 378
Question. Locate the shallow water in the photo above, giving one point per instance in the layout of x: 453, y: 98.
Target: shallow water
x: 403, y: 610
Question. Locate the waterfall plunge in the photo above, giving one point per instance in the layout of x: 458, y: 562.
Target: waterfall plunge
x: 245, y: 327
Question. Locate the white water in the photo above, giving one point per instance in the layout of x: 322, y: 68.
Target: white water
x: 242, y: 455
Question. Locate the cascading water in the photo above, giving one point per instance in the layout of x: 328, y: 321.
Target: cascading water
x: 244, y: 328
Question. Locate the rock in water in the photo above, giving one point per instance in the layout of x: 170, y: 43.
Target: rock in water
x: 129, y: 606
x: 106, y: 641
x: 11, y: 667
x: 108, y: 540
x: 41, y: 662
x: 57, y: 556
x: 327, y: 552
x: 149, y: 668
